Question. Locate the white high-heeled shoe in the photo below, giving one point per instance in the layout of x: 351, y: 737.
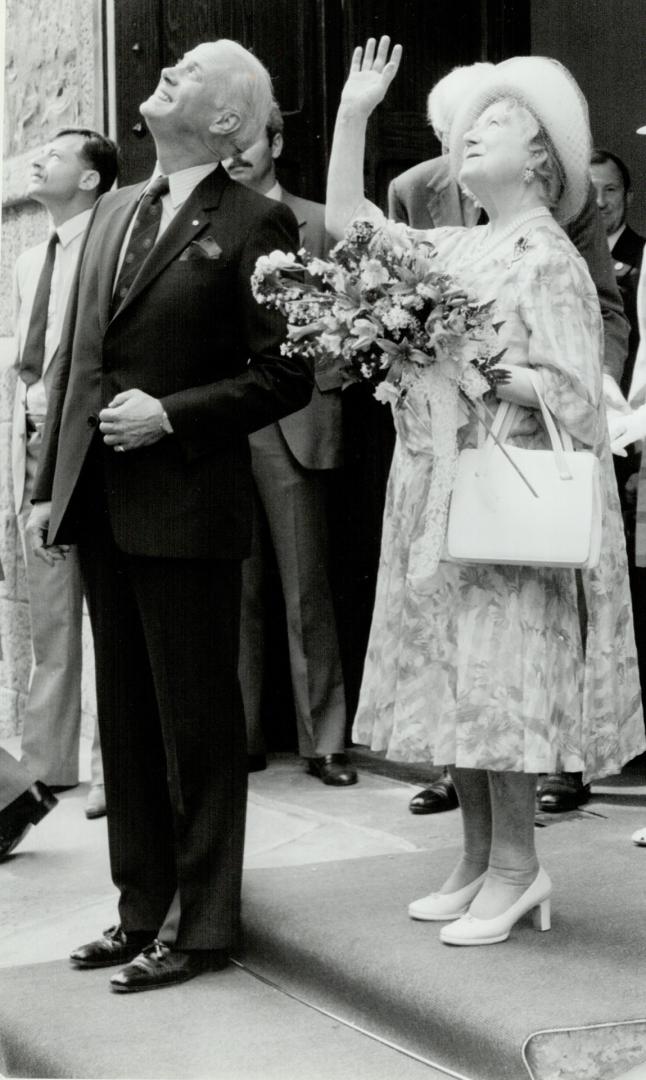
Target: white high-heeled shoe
x: 472, y: 931
x: 439, y: 906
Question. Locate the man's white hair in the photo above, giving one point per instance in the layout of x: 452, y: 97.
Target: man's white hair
x: 449, y: 93
x: 245, y: 87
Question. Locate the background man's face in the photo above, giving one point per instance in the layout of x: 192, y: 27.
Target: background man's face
x: 56, y: 171
x: 254, y: 167
x: 611, y: 197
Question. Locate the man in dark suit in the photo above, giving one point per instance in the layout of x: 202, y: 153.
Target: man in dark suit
x: 166, y: 365
x: 291, y: 461
x: 426, y: 197
x: 613, y: 187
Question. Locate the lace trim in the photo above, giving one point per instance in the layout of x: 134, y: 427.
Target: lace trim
x: 439, y: 397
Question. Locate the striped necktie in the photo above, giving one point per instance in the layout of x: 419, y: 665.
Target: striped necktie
x: 142, y: 238
x: 33, y: 353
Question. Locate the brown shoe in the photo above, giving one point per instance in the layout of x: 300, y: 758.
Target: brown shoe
x: 159, y: 965
x: 115, y: 947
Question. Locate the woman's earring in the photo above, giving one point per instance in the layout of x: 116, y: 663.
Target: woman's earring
x: 528, y: 175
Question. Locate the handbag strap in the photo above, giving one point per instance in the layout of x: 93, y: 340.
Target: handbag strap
x: 559, y: 437
x: 501, y: 425
x: 505, y: 418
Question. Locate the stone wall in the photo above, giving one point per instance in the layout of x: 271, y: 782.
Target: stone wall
x: 53, y: 78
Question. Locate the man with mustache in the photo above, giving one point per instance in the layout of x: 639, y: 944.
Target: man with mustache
x: 292, y: 462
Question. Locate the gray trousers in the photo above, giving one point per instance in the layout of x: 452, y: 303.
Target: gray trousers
x: 292, y: 500
x: 52, y: 716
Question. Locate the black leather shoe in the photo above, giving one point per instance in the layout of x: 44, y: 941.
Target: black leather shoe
x: 17, y: 818
x: 436, y: 798
x: 115, y: 947
x: 256, y: 762
x: 562, y: 792
x: 159, y: 965
x: 332, y: 769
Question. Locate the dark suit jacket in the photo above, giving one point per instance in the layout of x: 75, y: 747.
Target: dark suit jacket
x: 426, y: 197
x: 627, y: 259
x: 314, y: 434
x: 190, y: 333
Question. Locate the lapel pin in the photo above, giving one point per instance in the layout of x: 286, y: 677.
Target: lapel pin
x: 196, y: 222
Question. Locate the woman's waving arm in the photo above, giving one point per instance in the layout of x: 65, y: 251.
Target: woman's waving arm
x: 371, y: 73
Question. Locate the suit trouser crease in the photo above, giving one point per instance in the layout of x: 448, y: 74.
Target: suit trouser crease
x: 292, y: 502
x: 173, y: 738
x: 52, y: 717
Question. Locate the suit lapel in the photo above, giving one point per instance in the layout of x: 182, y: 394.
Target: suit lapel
x: 191, y: 219
x: 296, y: 207
x: 115, y: 228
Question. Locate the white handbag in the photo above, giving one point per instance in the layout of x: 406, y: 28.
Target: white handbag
x: 495, y: 518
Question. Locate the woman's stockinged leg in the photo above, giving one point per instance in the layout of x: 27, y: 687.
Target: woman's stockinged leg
x: 472, y: 786
x: 513, y: 863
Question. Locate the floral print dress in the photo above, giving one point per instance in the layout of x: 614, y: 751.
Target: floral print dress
x: 505, y: 667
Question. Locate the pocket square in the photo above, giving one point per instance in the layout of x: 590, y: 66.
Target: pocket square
x: 205, y: 247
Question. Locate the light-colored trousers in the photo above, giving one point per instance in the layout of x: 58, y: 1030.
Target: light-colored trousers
x: 293, y: 501
x: 52, y: 716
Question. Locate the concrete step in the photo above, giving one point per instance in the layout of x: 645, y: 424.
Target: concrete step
x: 329, y: 875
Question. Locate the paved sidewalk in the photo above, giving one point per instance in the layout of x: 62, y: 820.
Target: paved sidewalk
x: 328, y: 875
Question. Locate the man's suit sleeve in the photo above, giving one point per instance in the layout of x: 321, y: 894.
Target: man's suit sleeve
x: 273, y: 385
x: 586, y: 233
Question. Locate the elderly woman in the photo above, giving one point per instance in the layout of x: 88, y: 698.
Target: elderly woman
x: 484, y: 668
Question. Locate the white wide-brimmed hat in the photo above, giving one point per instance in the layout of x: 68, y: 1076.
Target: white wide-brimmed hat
x: 554, y: 98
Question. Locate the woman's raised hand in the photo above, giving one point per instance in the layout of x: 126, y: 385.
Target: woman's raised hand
x: 370, y: 75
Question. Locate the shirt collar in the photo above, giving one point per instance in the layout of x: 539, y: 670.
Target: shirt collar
x: 73, y: 227
x: 613, y: 237
x: 182, y: 183
x: 275, y: 192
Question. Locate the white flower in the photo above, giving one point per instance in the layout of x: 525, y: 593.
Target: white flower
x: 320, y: 267
x: 385, y: 392
x: 331, y: 342
x: 373, y: 274
x: 396, y: 318
x: 277, y: 260
x: 364, y: 328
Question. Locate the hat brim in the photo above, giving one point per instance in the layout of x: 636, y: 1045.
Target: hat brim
x: 641, y: 130
x: 553, y: 97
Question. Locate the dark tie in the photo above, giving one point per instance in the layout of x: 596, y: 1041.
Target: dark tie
x: 142, y: 238
x: 33, y: 354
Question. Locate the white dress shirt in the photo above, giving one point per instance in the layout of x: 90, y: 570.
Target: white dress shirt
x: 181, y: 184
x: 70, y: 235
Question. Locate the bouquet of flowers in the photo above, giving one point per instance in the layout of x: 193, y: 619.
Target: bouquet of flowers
x: 380, y: 309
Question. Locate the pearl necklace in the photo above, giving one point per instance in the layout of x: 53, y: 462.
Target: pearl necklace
x: 488, y: 244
